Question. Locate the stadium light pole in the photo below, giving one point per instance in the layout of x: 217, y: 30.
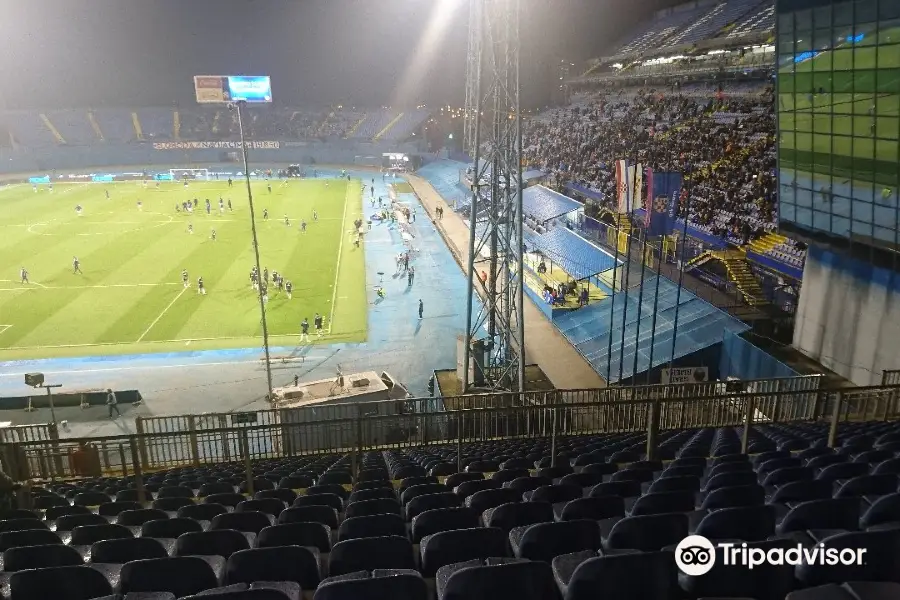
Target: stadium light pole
x: 262, y: 303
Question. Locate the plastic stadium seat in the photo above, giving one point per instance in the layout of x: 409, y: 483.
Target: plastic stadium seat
x: 175, y: 492
x: 556, y: 493
x: 443, y: 519
x: 372, y: 475
x: 328, y: 488
x: 421, y: 490
x: 448, y: 547
x: 763, y: 582
x: 286, y: 495
x: 28, y: 537
x: 269, y: 506
x: 528, y: 484
x: 396, y: 585
x: 378, y: 525
x: 85, y: 535
x: 841, y: 513
x: 643, y: 575
x: 372, y: 494
x: 505, y: 475
x: 221, y: 542
x: 457, y: 478
x: 45, y: 502
x: 663, y: 502
x: 467, y: 488
x: 331, y: 500
x: 748, y: 523
x: 776, y: 464
x: 868, y: 485
x: 70, y: 522
x: 787, y: 475
x: 181, y: 576
x: 733, y: 497
x: 884, y: 510
x: 25, y: 524
x: 248, y: 522
x: 522, y: 580
x: 289, y: 563
x: 802, y: 491
x: 231, y: 499
x: 647, y: 533
x: 881, y: 559
x: 582, y: 479
x: 888, y: 466
x: 517, y: 514
x: 487, y: 499
x: 413, y: 481
x: 602, y: 468
x: 420, y: 504
x: 314, y: 514
x: 169, y: 528
x: 54, y: 512
x: 368, y: 554
x: 59, y: 583
x: 338, y: 477
x: 36, y: 557
x: 126, y: 550
x: 640, y: 475
x: 295, y: 482
x: 90, y: 499
x: 546, y: 540
x: 625, y: 489
x: 595, y: 509
x: 201, y: 512
x: 263, y: 590
x: 315, y: 535
x: 685, y: 470
x: 112, y: 509
x: 15, y: 514
x: 366, y: 508
x: 129, y: 495
x: 139, y: 517
x: 857, y: 590
x: 171, y: 504
x: 732, y: 479
x: 687, y: 483
x: 764, y: 457
x: 220, y: 487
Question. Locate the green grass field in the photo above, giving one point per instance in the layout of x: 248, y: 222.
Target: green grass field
x: 839, y: 110
x: 130, y: 298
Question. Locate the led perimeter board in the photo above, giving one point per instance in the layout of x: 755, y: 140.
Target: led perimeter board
x: 218, y: 89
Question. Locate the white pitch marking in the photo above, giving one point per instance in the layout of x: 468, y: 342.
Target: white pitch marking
x: 337, y: 266
x: 165, y: 310
x: 81, y: 287
x: 3, y: 328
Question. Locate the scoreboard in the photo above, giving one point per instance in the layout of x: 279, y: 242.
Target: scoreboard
x: 219, y: 89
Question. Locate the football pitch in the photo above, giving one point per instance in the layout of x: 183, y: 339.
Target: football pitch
x: 129, y: 298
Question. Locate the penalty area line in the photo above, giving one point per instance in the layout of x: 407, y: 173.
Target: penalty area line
x: 165, y: 310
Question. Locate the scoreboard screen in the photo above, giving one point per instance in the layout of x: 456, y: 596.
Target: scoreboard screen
x: 218, y: 89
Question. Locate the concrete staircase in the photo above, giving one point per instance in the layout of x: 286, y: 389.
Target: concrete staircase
x: 136, y: 124
x: 387, y: 127
x: 176, y: 125
x: 56, y: 134
x: 95, y: 126
x: 357, y: 126
x: 765, y: 243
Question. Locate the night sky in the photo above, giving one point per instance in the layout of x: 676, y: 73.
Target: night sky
x: 94, y: 53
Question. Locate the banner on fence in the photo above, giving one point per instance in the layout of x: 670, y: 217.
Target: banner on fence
x: 685, y: 375
x: 258, y: 145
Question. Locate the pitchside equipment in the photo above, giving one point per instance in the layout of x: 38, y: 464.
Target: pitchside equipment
x: 181, y: 174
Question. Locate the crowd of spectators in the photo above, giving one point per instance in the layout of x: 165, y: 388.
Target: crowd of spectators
x: 266, y: 123
x: 723, y: 143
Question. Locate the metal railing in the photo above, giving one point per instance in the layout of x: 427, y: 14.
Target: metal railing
x: 353, y: 428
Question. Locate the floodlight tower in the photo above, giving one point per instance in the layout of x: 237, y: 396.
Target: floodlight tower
x: 495, y: 334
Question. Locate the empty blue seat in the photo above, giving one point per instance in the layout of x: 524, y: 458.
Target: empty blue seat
x: 231, y: 499
x: 420, y: 504
x: 201, y: 512
x: 287, y: 563
x: 881, y: 559
x: 663, y: 502
x: 286, y: 495
x: 332, y: 501
x: 70, y: 522
x: 221, y: 542
x: 647, y: 533
x: 315, y: 535
x: 528, y: 484
x: 486, y: 499
x: 448, y: 547
x: 179, y: 491
x: 396, y: 585
x: 646, y: 575
x: 335, y: 489
x: 218, y: 487
x: 748, y: 523
x: 59, y: 583
x: 335, y: 477
x: 884, y: 510
x: 377, y: 525
x: 625, y: 489
x: 467, y: 488
x: 54, y: 512
x: 855, y: 590
x: 380, y: 506
x: 516, y: 514
x: 594, y: 508
x: 556, y: 493
x: 787, y: 475
x: 582, y: 479
x: 443, y: 519
x: 181, y: 576
x: 846, y: 470
x: 249, y: 522
x: 639, y: 475
x: 85, y: 535
x: 169, y: 528
x: 801, y: 491
x: 413, y: 481
x: 111, y: 509
x: 368, y: 554
x: 269, y: 506
x: 372, y: 494
x: 171, y: 504
x: 422, y: 489
x: 731, y: 497
x: 136, y: 518
x: 509, y: 578
x: 90, y: 499
x: 730, y: 479
x: 36, y: 557
x: 259, y: 483
x: 126, y: 550
x: 457, y: 478
x: 544, y: 541
x: 314, y: 514
x: 868, y: 485
x: 28, y: 537
x: 294, y: 482
x: 763, y: 582
x: 840, y: 513
x: 686, y: 483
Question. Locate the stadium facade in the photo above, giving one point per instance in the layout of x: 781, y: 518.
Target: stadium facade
x: 838, y: 89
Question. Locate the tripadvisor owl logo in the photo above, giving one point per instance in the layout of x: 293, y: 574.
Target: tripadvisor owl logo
x: 695, y: 555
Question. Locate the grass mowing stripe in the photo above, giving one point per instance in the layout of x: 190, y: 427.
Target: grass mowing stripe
x: 337, y: 270
x: 160, y: 316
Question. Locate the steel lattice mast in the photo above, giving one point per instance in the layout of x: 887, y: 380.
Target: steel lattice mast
x: 471, y: 76
x: 495, y: 330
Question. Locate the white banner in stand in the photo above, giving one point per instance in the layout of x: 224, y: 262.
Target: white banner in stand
x: 685, y: 375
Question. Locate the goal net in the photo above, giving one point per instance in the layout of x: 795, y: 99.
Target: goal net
x: 180, y: 174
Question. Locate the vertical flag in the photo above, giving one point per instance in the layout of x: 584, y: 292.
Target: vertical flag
x: 663, y: 207
x: 622, y: 186
x: 636, y: 198
x: 648, y: 203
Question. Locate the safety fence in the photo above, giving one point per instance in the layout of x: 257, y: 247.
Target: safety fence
x: 352, y: 428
